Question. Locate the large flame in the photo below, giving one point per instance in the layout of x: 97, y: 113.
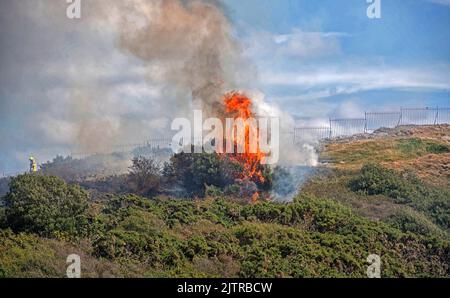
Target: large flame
x: 237, y: 105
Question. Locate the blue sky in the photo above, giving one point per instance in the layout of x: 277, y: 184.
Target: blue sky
x: 346, y: 58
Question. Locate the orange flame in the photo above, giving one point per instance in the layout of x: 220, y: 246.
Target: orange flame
x: 237, y: 105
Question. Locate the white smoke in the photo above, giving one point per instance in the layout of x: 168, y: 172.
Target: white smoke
x: 119, y: 75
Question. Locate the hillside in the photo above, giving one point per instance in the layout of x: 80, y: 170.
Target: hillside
x: 376, y: 195
x: 424, y: 150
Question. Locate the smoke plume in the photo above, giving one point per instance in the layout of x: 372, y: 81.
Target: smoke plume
x: 118, y: 75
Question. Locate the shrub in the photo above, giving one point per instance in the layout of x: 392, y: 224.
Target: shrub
x: 213, y: 191
x: 375, y: 180
x: 145, y: 177
x: 434, y: 202
x: 438, y: 148
x: 194, y: 171
x: 46, y: 205
x: 409, y: 220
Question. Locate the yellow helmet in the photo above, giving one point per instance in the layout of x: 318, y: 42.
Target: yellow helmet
x: 31, y: 158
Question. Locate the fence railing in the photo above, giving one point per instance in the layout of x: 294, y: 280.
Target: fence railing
x: 9, y: 174
x: 373, y: 121
x: 346, y: 127
x: 312, y: 133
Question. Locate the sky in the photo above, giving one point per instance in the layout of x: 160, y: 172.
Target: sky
x: 328, y: 53
x: 312, y: 58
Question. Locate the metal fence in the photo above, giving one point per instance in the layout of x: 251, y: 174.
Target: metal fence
x: 346, y: 127
x: 443, y: 116
x: 149, y: 144
x: 386, y: 119
x: 9, y: 174
x: 373, y: 121
x: 419, y: 116
x: 311, y: 133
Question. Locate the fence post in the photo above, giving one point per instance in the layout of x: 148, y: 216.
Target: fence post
x: 331, y: 134
x: 365, y: 122
x: 437, y: 116
x: 400, y: 118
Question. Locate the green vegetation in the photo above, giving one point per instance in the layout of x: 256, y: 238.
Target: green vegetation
x: 419, y: 147
x: 385, y: 196
x: 145, y: 177
x: 432, y: 201
x: 195, y: 172
x: 409, y: 220
x: 130, y: 235
x: 46, y: 206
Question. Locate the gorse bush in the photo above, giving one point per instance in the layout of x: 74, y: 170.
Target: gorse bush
x: 434, y: 202
x: 375, y: 180
x: 306, y: 238
x: 193, y: 172
x: 46, y: 206
x: 309, y: 237
x: 133, y: 236
x: 409, y: 220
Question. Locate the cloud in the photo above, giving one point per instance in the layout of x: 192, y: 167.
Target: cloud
x: 297, y: 44
x: 331, y: 81
x: 441, y: 2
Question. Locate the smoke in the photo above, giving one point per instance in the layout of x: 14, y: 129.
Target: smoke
x: 118, y: 75
x: 187, y: 46
x: 288, y: 181
x: 291, y: 153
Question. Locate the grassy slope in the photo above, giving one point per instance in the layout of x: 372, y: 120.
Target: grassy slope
x: 421, y: 150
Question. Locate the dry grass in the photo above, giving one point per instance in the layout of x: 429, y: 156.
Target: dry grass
x: 424, y: 151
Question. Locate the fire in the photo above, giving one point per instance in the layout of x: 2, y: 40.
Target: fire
x: 237, y: 105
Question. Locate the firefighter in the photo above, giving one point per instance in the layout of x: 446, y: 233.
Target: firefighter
x: 33, y: 165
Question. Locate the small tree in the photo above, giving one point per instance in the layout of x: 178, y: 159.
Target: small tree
x: 46, y: 205
x: 145, y: 177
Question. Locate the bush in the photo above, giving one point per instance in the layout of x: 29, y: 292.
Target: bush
x: 145, y: 177
x: 194, y: 171
x: 46, y: 205
x: 310, y: 237
x: 409, y: 220
x: 375, y: 180
x: 438, y: 148
x: 434, y: 202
